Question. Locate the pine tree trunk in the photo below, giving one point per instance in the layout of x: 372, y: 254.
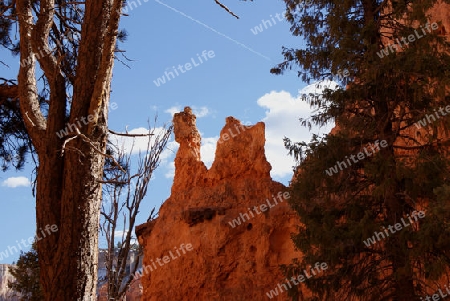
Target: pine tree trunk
x: 68, y: 193
x: 70, y: 198
x: 397, y: 250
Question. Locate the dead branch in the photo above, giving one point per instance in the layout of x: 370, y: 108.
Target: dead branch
x: 86, y: 139
x: 126, y: 192
x: 129, y: 135
x: 227, y: 9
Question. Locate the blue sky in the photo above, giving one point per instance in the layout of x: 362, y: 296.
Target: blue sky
x: 234, y: 81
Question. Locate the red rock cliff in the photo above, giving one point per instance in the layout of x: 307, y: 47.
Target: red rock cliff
x: 194, y: 251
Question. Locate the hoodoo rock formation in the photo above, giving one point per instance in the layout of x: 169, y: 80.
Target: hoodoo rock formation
x: 223, y: 232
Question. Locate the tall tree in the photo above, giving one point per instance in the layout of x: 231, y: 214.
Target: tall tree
x: 344, y: 194
x: 73, y: 43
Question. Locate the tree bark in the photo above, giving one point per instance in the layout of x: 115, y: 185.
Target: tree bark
x: 68, y: 193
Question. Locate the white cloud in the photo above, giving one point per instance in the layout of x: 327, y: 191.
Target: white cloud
x: 169, y: 153
x: 170, y: 170
x: 14, y: 182
x: 208, y: 150
x: 168, y: 159
x: 174, y: 109
x: 120, y: 233
x: 282, y: 120
x: 198, y: 111
x: 318, y: 87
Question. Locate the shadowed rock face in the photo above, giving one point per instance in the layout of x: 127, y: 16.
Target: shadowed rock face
x: 227, y: 260
x: 5, y: 277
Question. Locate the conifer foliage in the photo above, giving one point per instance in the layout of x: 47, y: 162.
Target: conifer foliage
x: 26, y: 274
x: 386, y: 96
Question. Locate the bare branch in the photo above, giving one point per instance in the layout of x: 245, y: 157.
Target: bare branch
x: 86, y: 139
x: 227, y: 9
x: 129, y: 135
x: 125, y: 202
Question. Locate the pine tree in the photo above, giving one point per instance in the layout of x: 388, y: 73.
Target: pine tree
x: 26, y: 274
x: 385, y: 96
